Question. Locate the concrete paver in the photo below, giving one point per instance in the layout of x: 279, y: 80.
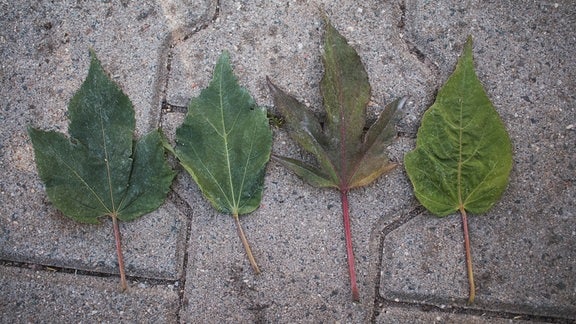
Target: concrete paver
x: 423, y: 261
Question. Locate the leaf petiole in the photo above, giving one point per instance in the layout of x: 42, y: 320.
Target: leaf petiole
x: 349, y: 250
x: 246, y: 245
x: 468, y: 256
x: 123, y: 284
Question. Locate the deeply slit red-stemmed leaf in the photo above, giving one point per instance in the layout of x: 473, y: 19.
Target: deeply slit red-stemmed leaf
x: 347, y: 156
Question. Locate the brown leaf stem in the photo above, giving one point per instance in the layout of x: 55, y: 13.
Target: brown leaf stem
x: 123, y: 283
x: 349, y: 250
x: 246, y: 245
x: 468, y: 256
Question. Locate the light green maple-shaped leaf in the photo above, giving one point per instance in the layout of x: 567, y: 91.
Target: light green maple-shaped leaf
x: 347, y: 155
x: 99, y: 170
x: 225, y: 143
x: 463, y: 154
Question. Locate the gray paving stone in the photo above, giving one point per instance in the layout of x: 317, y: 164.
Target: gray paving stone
x: 44, y: 55
x: 30, y: 296
x: 423, y: 261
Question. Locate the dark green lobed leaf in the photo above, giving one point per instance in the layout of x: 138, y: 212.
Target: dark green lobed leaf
x: 96, y: 172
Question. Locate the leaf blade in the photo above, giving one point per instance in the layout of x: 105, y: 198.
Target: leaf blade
x: 144, y: 193
x: 368, y: 165
x: 56, y: 160
x: 463, y: 153
x: 306, y: 130
x: 225, y: 124
x: 346, y: 92
x: 314, y: 176
x: 88, y: 175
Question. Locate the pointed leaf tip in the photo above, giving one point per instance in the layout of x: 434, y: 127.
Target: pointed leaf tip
x: 469, y: 42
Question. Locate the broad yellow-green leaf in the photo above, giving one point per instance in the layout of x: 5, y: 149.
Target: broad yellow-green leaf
x: 463, y: 154
x: 100, y: 170
x: 225, y: 143
x: 347, y: 156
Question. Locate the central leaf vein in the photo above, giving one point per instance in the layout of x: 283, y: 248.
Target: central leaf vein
x: 460, y: 130
x: 107, y: 161
x: 225, y: 140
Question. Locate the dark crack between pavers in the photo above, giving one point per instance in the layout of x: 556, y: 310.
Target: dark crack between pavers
x: 410, y: 44
x: 402, y: 22
x: 166, y: 55
x: 169, y: 108
x: 460, y: 310
x: 187, y: 210
x: 386, y: 229
x: 133, y: 280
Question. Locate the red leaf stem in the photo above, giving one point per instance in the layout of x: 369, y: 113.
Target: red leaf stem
x: 349, y: 250
x: 123, y: 283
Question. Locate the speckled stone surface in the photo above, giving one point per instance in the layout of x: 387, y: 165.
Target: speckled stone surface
x: 185, y: 261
